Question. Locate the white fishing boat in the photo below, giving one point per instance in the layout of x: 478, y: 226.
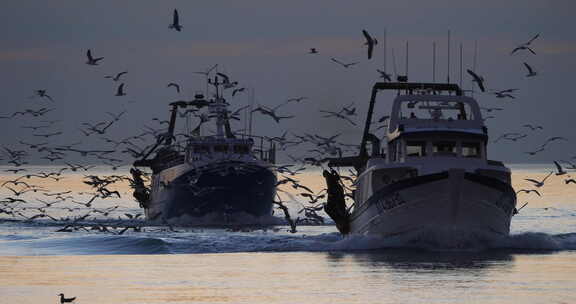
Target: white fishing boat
x: 432, y: 177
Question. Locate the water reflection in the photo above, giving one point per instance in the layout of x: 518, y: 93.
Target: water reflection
x: 409, y: 259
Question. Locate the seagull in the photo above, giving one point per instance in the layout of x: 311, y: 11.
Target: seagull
x: 175, y: 85
x: 504, y: 95
x: 370, y: 42
x: 92, y: 60
x: 42, y: 93
x: 271, y: 113
x: 337, y: 115
x: 226, y: 81
x: 346, y: 65
x: 525, y: 46
x: 117, y: 76
x: 175, y: 22
x: 384, y: 75
x: 66, y: 300
x: 539, y: 183
x: 478, y: 79
x: 208, y: 71
x: 239, y: 90
x: 559, y: 168
x: 313, y: 51
x: 120, y: 90
x: 571, y: 180
x: 533, y: 128
x: 528, y: 191
x: 531, y: 72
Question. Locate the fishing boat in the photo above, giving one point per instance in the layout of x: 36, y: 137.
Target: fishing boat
x: 431, y: 177
x: 222, y: 174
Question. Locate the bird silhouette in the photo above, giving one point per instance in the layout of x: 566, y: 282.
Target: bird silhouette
x: 66, y: 300
x: 117, y: 76
x: 175, y: 85
x: 370, y: 42
x: 92, y: 60
x: 120, y: 90
x: 531, y: 71
x: 175, y: 21
x: 539, y: 183
x: 478, y: 79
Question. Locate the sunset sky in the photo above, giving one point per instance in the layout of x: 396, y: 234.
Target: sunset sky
x: 264, y: 45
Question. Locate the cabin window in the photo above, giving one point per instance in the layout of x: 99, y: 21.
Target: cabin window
x: 242, y: 149
x: 221, y: 148
x: 444, y: 148
x: 471, y: 150
x: 201, y: 149
x: 416, y: 148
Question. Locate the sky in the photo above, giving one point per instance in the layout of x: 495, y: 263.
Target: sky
x: 264, y: 45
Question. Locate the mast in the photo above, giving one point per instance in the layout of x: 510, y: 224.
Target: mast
x: 434, y: 61
x: 448, y: 68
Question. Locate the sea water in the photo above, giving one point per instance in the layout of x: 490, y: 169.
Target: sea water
x: 267, y: 264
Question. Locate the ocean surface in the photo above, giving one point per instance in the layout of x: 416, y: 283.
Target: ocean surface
x: 267, y: 264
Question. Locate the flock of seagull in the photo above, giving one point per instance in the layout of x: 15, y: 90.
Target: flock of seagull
x: 137, y: 146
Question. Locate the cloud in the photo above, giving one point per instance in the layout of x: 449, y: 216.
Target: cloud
x: 24, y: 55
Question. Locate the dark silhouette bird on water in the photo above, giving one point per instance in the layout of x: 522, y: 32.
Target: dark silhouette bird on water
x: 92, y: 60
x: 66, y: 300
x: 370, y: 42
x: 313, y: 51
x: 478, y: 80
x: 175, y: 22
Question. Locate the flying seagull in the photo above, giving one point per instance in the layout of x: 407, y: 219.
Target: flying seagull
x: 117, y: 76
x: 539, y: 183
x: 120, y: 90
x: 559, y: 168
x: 42, y: 93
x: 525, y: 46
x: 175, y: 22
x: 478, y: 79
x: 175, y: 85
x: 384, y: 75
x: 531, y: 72
x: 92, y: 60
x: 370, y: 42
x: 346, y: 65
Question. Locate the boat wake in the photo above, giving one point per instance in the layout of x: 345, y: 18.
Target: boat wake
x: 523, y: 242
x: 42, y: 238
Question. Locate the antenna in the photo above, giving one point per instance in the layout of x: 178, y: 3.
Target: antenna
x: 448, y: 70
x: 385, y: 55
x: 406, y: 68
x: 252, y: 98
x: 434, y: 61
x: 394, y: 62
x: 460, y: 64
x: 475, y: 57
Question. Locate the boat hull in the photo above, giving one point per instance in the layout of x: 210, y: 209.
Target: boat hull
x: 452, y: 202
x: 219, y: 189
